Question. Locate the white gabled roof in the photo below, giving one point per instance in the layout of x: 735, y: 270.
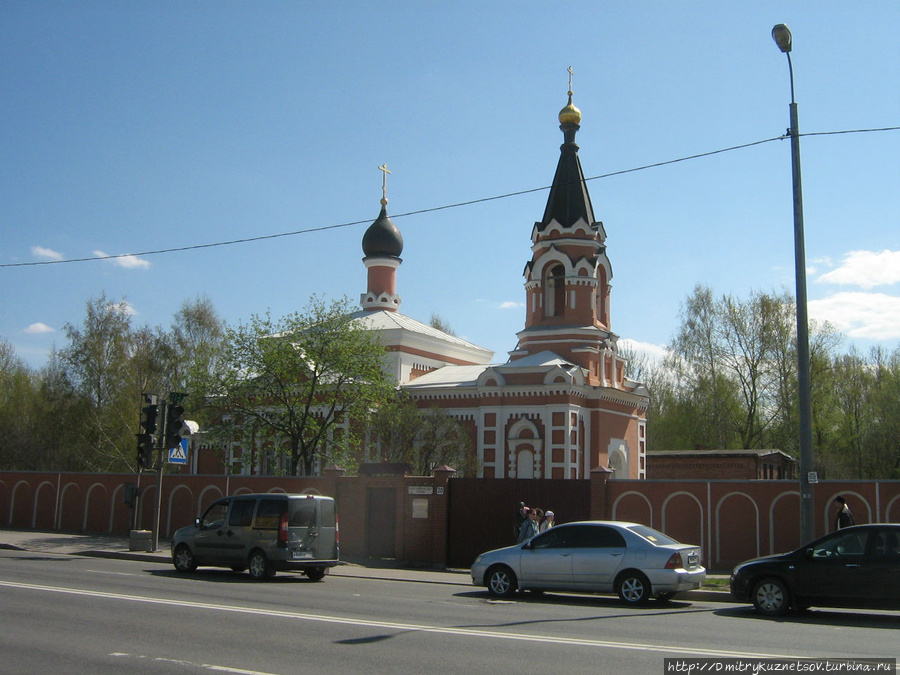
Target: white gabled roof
x: 539, y: 360
x: 467, y: 376
x: 449, y: 376
x: 400, y: 330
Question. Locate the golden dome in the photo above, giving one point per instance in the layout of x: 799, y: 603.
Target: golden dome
x: 570, y: 114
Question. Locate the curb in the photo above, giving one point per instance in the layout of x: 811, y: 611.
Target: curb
x: 360, y: 571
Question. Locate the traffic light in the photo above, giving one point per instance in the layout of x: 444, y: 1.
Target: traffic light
x: 147, y: 436
x: 145, y: 451
x: 176, y: 429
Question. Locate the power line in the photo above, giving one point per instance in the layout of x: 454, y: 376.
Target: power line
x: 456, y: 205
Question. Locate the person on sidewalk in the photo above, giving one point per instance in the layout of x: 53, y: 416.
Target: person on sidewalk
x: 546, y: 522
x: 843, y: 518
x: 529, y: 527
x: 521, y: 517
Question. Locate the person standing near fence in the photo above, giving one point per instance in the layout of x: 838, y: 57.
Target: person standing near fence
x: 529, y: 526
x: 547, y: 521
x: 843, y: 518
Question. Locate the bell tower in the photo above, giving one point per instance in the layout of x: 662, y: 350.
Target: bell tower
x: 567, y: 280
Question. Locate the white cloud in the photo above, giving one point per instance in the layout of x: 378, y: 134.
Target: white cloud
x: 870, y: 316
x: 127, y: 308
x: 509, y: 304
x: 126, y: 261
x: 46, y: 253
x: 38, y: 328
x: 866, y: 269
x: 651, y: 351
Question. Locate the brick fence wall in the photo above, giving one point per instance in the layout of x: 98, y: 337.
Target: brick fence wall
x: 416, y: 519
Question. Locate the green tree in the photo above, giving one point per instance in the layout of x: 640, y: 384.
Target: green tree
x: 17, y: 410
x: 423, y: 439
x: 98, y: 364
x: 441, y: 324
x: 882, y: 441
x: 732, y: 375
x: 301, y: 380
x: 393, y: 428
x: 443, y: 440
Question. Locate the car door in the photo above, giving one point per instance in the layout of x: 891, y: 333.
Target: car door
x: 209, y: 540
x: 834, y: 569
x: 882, y: 573
x: 237, y: 535
x: 303, y: 529
x: 546, y: 560
x: 599, y: 552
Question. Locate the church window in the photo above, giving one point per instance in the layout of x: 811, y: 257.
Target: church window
x: 525, y: 464
x: 555, y: 294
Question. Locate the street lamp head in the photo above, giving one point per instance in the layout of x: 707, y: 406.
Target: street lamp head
x: 782, y: 36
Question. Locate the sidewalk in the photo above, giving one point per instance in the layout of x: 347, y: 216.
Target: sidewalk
x: 117, y: 547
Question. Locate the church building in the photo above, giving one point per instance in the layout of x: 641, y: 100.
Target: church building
x: 561, y: 406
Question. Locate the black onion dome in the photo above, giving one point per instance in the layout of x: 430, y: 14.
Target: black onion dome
x: 382, y: 238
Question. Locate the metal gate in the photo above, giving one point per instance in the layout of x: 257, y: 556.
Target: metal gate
x: 381, y: 522
x: 481, y: 511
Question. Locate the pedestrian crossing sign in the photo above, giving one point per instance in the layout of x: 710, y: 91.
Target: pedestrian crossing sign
x: 178, y: 454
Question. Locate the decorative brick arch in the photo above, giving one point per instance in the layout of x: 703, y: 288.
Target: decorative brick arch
x: 890, y: 516
x: 633, y: 506
x: 119, y: 511
x: 94, y: 507
x: 204, y: 500
x: 45, y: 515
x: 740, y: 548
x: 71, y: 507
x: 859, y: 517
x: 21, y: 496
x: 180, y: 513
x: 783, y: 537
x: 683, y: 518
x: 617, y: 458
x: 525, y: 445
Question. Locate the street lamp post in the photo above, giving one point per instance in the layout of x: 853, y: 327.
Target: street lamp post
x: 782, y: 36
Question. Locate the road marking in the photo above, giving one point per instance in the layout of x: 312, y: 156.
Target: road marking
x: 115, y: 574
x: 191, y: 664
x: 411, y: 627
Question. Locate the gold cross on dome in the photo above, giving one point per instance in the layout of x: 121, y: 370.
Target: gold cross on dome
x: 385, y: 171
x: 571, y: 73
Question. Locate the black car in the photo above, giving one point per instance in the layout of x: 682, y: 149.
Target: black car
x: 853, y: 567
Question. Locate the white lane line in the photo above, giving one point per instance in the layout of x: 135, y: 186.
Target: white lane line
x: 410, y: 627
x: 191, y: 664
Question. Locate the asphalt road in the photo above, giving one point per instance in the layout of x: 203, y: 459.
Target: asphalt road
x: 71, y: 614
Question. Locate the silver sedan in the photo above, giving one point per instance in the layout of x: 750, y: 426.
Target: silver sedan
x: 632, y: 560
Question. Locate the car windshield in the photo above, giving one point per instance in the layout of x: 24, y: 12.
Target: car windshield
x: 652, y: 535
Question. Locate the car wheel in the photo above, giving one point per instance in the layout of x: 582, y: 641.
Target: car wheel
x: 259, y: 566
x: 633, y: 588
x: 315, y: 573
x: 771, y: 597
x: 501, y: 581
x: 183, y: 559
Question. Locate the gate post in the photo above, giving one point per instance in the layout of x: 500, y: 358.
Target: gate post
x: 600, y: 493
x: 441, y: 523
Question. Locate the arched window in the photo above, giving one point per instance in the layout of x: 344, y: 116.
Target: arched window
x: 555, y: 291
x: 525, y: 463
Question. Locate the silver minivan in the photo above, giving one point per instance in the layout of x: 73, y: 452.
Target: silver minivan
x: 262, y: 533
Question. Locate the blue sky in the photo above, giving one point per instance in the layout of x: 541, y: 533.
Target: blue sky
x: 128, y: 127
